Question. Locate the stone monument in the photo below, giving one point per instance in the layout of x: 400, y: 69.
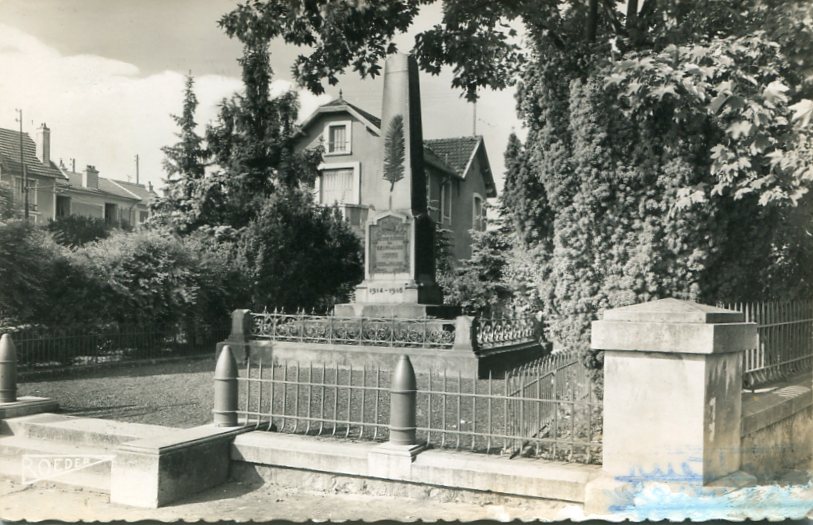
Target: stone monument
x: 399, y: 266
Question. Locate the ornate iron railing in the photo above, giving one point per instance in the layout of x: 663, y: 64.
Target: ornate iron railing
x: 424, y: 332
x: 506, y: 331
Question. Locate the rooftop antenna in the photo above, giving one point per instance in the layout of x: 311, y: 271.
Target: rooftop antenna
x: 474, y: 119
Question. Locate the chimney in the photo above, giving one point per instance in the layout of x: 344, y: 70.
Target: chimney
x: 90, y: 178
x: 149, y: 186
x: 43, y: 137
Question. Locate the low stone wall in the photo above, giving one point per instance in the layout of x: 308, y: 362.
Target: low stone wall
x: 331, y: 466
x: 358, y: 356
x: 424, y: 360
x: 777, y: 428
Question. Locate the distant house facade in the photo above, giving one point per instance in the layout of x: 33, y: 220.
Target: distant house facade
x: 458, y: 174
x: 117, y: 202
x: 55, y: 191
x: 43, y: 176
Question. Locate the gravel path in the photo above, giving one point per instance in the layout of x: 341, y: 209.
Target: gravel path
x: 176, y: 394
x: 243, y: 502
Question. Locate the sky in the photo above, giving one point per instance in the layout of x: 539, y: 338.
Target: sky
x: 105, y: 75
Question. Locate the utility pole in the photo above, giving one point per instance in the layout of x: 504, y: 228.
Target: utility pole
x: 474, y: 120
x: 22, y: 165
x: 136, y: 159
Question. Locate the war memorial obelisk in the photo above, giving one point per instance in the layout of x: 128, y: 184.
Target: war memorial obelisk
x: 399, y: 265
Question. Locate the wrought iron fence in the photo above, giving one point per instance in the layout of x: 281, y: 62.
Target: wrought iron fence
x: 784, y: 340
x: 40, y: 348
x: 424, y: 332
x: 506, y: 331
x: 552, y: 415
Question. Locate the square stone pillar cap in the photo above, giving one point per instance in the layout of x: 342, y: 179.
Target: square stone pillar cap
x: 673, y: 311
x: 673, y: 326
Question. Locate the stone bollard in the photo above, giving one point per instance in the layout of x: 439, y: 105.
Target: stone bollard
x: 465, y: 333
x: 403, y: 403
x: 8, y: 370
x: 225, y: 405
x: 239, y: 336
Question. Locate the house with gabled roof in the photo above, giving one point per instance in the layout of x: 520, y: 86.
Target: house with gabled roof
x: 90, y: 195
x: 458, y: 173
x: 41, y: 175
x: 55, y: 191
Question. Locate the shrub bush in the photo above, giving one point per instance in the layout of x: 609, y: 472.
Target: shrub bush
x: 28, y: 258
x: 76, y: 230
x: 154, y: 278
x: 299, y: 255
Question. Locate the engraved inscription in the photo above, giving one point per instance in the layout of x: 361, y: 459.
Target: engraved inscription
x: 389, y: 246
x: 385, y: 291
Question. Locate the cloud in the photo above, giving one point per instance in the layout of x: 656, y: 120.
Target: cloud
x: 103, y: 111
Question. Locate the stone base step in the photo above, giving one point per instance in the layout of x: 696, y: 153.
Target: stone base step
x: 27, y: 460
x: 79, y: 431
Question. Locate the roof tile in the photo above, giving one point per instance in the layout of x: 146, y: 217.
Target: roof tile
x: 455, y: 151
x: 10, y: 155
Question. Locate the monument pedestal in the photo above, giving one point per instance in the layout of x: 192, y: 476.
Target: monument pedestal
x: 397, y: 310
x: 399, y: 271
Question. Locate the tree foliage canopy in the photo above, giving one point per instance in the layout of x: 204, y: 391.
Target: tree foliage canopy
x: 745, y: 63
x: 183, y: 206
x: 668, y: 148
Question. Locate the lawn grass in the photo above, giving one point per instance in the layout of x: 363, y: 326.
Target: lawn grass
x: 176, y: 394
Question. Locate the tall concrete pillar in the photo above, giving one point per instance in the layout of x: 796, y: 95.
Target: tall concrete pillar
x: 672, y: 397
x: 401, y: 121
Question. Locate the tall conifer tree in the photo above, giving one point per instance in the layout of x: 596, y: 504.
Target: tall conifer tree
x: 185, y: 165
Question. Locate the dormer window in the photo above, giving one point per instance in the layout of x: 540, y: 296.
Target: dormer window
x: 338, y: 138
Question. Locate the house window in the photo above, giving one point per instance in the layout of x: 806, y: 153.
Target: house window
x: 337, y: 186
x: 63, y: 206
x: 432, y: 202
x: 478, y: 212
x: 338, y: 182
x: 143, y: 216
x: 337, y: 138
x: 111, y: 213
x: 446, y: 202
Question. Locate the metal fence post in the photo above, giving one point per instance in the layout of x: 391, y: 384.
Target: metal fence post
x: 8, y: 370
x: 225, y: 405
x: 403, y: 403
